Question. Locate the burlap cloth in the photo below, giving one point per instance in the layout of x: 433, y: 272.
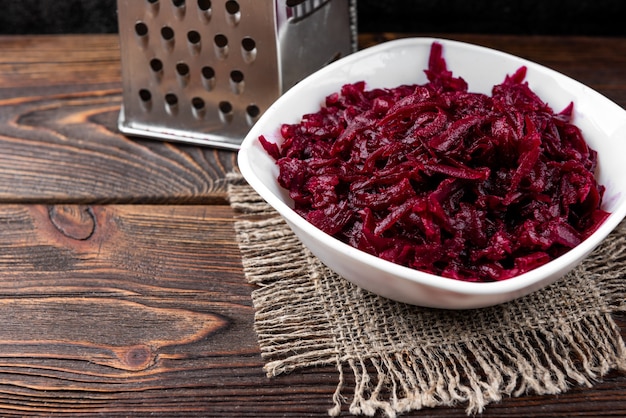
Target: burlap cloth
x: 406, y: 358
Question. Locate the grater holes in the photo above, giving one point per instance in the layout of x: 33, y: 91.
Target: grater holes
x: 156, y: 65
x: 248, y: 44
x: 236, y: 76
x: 205, y: 10
x: 232, y: 7
x: 198, y: 107
x: 167, y: 35
x: 252, y: 114
x: 221, y: 45
x: 193, y: 39
x: 182, y: 69
x: 179, y: 8
x: 253, y: 111
x: 225, y: 107
x: 221, y: 40
x: 233, y: 13
x: 236, y: 81
x: 171, y: 99
x: 145, y: 95
x: 208, y: 72
x: 208, y: 77
x: 182, y: 73
x: 153, y: 6
x: 248, y: 49
x: 197, y: 103
x: 225, y: 111
x: 171, y: 103
x: 145, y: 98
x: 204, y: 5
x: 141, y: 29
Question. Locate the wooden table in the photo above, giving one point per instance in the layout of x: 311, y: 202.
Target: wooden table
x: 121, y: 284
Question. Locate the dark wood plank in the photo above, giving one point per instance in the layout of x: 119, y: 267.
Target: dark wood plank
x: 134, y: 310
x: 60, y: 98
x: 60, y: 102
x: 101, y: 304
x: 143, y: 309
x: 58, y: 60
x: 66, y: 147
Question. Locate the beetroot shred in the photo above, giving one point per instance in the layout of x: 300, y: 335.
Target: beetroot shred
x: 433, y: 177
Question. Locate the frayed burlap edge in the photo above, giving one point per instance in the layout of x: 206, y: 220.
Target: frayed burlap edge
x: 297, y: 324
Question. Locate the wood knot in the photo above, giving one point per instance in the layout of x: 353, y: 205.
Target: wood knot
x: 137, y: 357
x: 74, y: 221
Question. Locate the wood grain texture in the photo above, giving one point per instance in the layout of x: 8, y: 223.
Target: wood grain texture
x: 65, y: 147
x: 59, y: 105
x: 48, y: 61
x: 102, y: 300
x: 142, y: 310
x: 121, y: 286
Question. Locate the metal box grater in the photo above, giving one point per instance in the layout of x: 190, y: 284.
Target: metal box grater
x: 203, y: 71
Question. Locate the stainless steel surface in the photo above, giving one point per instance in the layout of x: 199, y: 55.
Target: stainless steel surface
x: 203, y: 71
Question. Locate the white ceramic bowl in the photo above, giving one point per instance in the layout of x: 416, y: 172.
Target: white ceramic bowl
x: 398, y: 62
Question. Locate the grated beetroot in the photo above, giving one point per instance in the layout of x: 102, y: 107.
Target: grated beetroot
x: 433, y: 177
